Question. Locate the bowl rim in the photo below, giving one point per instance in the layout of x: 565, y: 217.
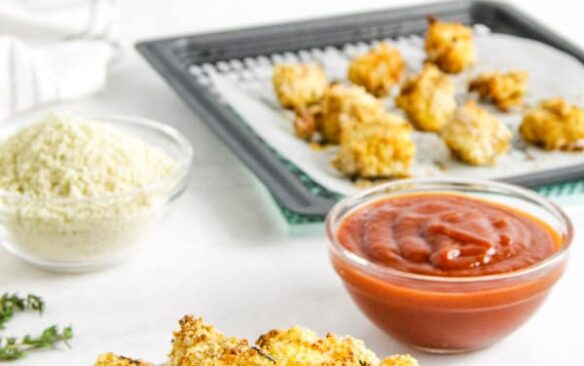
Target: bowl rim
x: 333, y: 220
x: 182, y: 164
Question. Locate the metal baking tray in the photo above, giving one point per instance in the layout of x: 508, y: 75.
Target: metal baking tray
x: 295, y: 192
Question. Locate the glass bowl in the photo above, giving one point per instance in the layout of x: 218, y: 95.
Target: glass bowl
x: 442, y: 314
x: 73, y: 235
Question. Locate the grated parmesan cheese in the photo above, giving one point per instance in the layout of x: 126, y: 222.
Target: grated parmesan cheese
x: 68, y: 181
x: 65, y: 157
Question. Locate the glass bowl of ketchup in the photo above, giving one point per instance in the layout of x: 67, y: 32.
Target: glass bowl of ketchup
x: 448, y: 265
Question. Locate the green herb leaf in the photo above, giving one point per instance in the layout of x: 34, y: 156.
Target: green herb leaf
x: 12, y: 303
x: 12, y: 348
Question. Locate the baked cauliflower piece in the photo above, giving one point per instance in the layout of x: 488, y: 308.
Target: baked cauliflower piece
x: 554, y: 124
x: 110, y: 359
x: 505, y: 90
x: 377, y: 70
x: 476, y: 137
x: 450, y: 46
x: 299, y: 85
x: 345, y: 104
x: 428, y: 99
x: 199, y: 344
x: 377, y: 147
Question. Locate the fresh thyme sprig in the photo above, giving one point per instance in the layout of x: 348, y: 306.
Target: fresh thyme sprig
x: 13, y: 348
x: 11, y: 303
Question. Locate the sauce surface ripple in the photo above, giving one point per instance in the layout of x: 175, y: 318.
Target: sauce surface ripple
x: 447, y: 235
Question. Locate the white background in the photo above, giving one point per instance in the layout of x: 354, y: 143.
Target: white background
x: 225, y: 253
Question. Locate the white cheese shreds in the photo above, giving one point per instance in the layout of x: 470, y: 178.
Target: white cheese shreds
x: 75, y: 191
x: 64, y: 157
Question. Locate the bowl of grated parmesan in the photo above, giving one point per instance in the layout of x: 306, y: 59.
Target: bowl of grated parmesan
x: 79, y: 193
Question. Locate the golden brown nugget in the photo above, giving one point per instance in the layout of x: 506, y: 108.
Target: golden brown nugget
x: 307, y: 122
x: 428, y: 99
x: 450, y: 46
x: 110, y: 359
x: 298, y: 346
x: 475, y: 136
x: 377, y: 70
x: 399, y: 360
x: 381, y: 147
x: 344, y: 104
x: 298, y: 86
x: 554, y: 124
x: 199, y: 344
x: 505, y: 90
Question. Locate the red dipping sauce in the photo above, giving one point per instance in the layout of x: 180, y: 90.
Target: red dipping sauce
x: 447, y: 235
x: 443, y: 271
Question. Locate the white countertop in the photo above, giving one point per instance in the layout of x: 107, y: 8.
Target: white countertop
x: 225, y: 253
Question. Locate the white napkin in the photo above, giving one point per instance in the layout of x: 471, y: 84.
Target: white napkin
x: 53, y: 50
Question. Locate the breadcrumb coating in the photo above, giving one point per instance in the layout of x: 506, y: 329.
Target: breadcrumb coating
x: 400, y: 360
x: 377, y: 70
x: 307, y: 122
x: 554, y: 124
x: 199, y: 344
x: 378, y: 147
x: 475, y: 136
x: 450, y: 46
x: 298, y: 346
x: 298, y: 86
x: 346, y: 104
x: 110, y: 359
x: 428, y: 99
x: 505, y: 90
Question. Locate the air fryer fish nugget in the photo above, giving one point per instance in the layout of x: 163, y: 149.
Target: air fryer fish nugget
x: 298, y: 86
x: 342, y: 104
x: 428, y: 99
x: 298, y: 346
x: 554, y: 124
x: 475, y: 136
x: 505, y: 90
x: 450, y: 46
x: 109, y: 359
x: 378, y: 70
x: 199, y: 344
x: 379, y: 147
x: 399, y: 360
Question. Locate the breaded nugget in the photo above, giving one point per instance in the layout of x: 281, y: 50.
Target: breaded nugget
x: 379, y: 147
x: 377, y: 70
x: 399, y: 360
x: 344, y: 104
x: 298, y: 346
x: 450, y: 46
x: 307, y: 122
x: 428, y: 99
x: 109, y: 359
x: 298, y: 86
x: 554, y: 124
x: 505, y: 90
x: 475, y: 136
x: 199, y: 344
